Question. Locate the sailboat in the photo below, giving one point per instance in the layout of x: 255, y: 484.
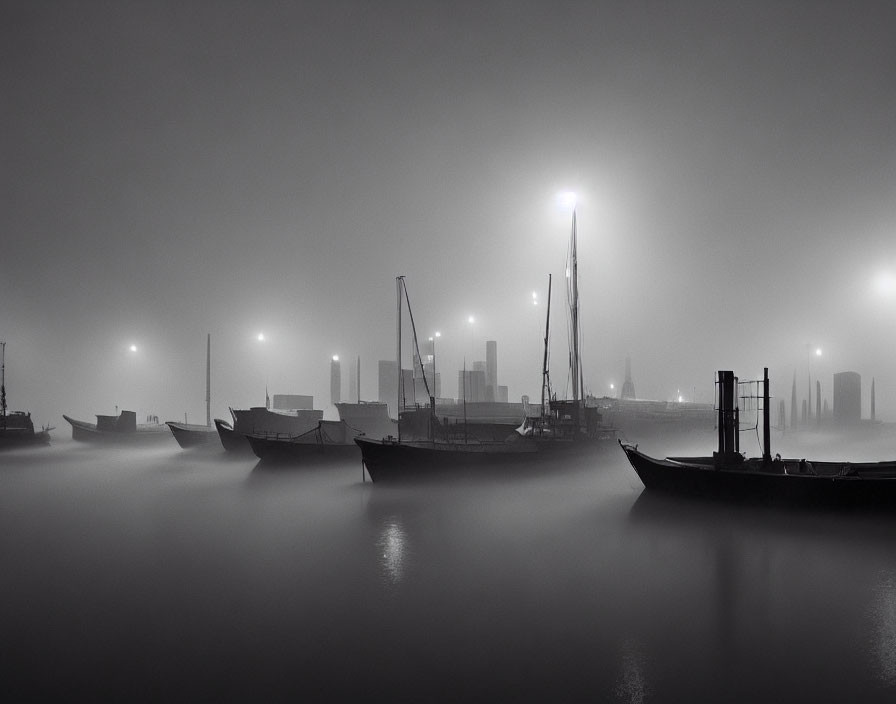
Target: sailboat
x: 561, y: 428
x: 193, y: 434
x: 16, y: 427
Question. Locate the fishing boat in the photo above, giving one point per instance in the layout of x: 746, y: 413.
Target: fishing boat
x: 16, y: 427
x: 264, y: 421
x: 120, y: 429
x: 562, y: 429
x: 193, y: 434
x: 331, y: 440
x: 728, y: 473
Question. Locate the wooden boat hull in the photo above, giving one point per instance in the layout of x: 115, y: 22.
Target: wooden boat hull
x: 191, y: 435
x: 83, y: 431
x: 16, y: 437
x: 788, y: 481
x: 389, y: 459
x: 286, y: 451
x: 230, y: 439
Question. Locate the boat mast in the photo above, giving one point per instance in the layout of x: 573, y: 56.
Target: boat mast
x: 766, y: 420
x: 359, y: 379
x: 400, y: 380
x: 575, y: 364
x: 545, y: 382
x: 3, y: 381
x: 208, y: 380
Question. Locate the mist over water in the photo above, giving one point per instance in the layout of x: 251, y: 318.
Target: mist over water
x: 162, y: 574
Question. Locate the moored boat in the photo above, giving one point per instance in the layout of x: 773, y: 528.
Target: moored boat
x: 260, y: 420
x: 120, y: 429
x: 331, y: 440
x: 193, y: 434
x: 563, y: 428
x: 730, y: 474
x: 16, y: 427
x: 190, y: 435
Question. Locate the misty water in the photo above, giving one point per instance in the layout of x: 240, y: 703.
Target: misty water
x: 163, y: 574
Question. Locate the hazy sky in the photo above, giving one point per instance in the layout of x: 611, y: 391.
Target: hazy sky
x: 172, y: 169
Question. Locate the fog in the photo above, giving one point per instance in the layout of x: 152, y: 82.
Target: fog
x: 162, y: 574
x: 173, y: 170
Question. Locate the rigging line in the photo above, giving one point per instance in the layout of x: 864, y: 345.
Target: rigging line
x: 414, y: 331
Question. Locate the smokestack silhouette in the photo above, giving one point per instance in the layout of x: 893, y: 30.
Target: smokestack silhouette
x: 872, y: 399
x: 793, y: 416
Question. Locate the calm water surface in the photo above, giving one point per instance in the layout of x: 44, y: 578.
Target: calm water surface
x: 162, y: 574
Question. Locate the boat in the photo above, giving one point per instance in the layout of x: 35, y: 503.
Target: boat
x: 120, y: 429
x: 331, y: 440
x: 16, y: 427
x: 193, y: 434
x: 370, y: 418
x: 562, y: 429
x: 729, y: 474
x: 264, y: 421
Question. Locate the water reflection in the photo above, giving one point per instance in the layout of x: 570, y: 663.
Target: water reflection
x: 632, y: 686
x: 883, y: 616
x: 392, y: 545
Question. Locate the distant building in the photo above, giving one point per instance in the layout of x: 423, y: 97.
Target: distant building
x: 502, y: 394
x: 335, y: 380
x: 491, y: 370
x: 471, y: 385
x: 847, y: 398
x: 354, y: 380
x: 387, y: 385
x: 293, y: 402
x: 628, y: 386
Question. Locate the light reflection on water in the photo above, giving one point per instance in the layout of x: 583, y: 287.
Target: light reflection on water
x: 883, y: 623
x: 392, y: 545
x: 195, y: 576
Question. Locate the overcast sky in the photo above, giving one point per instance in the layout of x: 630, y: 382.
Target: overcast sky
x: 172, y: 169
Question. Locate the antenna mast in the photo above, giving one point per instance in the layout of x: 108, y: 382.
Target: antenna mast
x: 208, y: 381
x: 545, y: 381
x: 3, y: 381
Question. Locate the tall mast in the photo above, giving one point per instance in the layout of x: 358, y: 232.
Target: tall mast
x: 358, y: 379
x: 208, y: 380
x: 3, y: 381
x: 545, y: 384
x: 398, y: 385
x: 573, y: 292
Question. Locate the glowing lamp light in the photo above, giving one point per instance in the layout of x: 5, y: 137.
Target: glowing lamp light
x: 567, y: 200
x: 818, y: 352
x: 471, y: 320
x: 335, y: 357
x: 885, y: 283
x: 260, y: 337
x: 133, y: 348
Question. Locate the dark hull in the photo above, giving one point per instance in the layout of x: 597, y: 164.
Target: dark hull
x: 285, y: 451
x: 88, y: 432
x: 10, y: 438
x: 823, y: 483
x: 230, y: 439
x: 189, y: 436
x: 387, y: 460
